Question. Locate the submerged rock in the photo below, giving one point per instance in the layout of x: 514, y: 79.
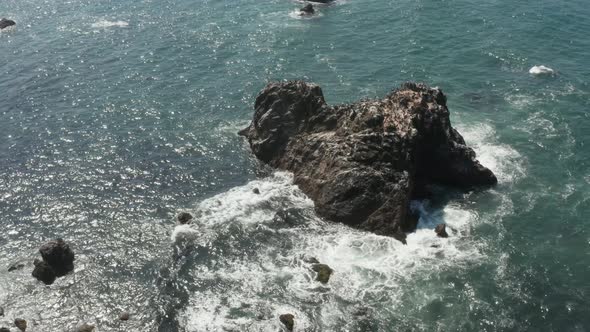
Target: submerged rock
x: 1, y: 312
x: 256, y: 191
x: 15, y: 266
x: 4, y: 329
x: 5, y: 23
x: 85, y: 328
x: 184, y: 218
x: 321, y: 1
x: 441, y: 230
x: 59, y: 256
x: 362, y: 163
x: 21, y: 324
x: 43, y: 272
x: 324, y: 272
x: 124, y: 316
x: 307, y: 10
x: 288, y: 320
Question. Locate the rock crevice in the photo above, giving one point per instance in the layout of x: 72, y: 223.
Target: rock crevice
x: 362, y: 163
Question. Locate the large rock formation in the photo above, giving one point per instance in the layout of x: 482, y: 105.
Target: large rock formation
x: 362, y: 163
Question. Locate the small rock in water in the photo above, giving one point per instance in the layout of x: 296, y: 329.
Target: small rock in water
x: 256, y: 191
x: 124, y: 315
x: 1, y: 311
x: 85, y: 328
x: 441, y: 230
x: 307, y: 10
x: 288, y: 320
x: 59, y: 256
x: 43, y: 272
x: 541, y: 70
x: 21, y: 324
x: 184, y: 218
x: 4, y: 23
x: 324, y: 272
x: 15, y: 266
x: 4, y: 329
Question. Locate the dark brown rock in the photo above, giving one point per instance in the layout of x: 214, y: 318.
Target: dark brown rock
x: 323, y: 272
x: 124, y: 315
x: 362, y: 163
x: 21, y: 324
x: 59, y: 256
x: 184, y: 218
x: 256, y: 191
x: 441, y: 230
x: 288, y: 320
x: 307, y: 10
x: 43, y: 272
x: 4, y: 23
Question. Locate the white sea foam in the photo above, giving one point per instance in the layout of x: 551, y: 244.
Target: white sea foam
x: 541, y: 70
x: 365, y: 264
x: 296, y: 14
x: 502, y: 159
x: 256, y: 243
x: 102, y: 24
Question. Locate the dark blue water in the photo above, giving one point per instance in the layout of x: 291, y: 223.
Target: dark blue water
x: 117, y: 115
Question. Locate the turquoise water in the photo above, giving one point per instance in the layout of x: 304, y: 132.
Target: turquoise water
x: 116, y: 115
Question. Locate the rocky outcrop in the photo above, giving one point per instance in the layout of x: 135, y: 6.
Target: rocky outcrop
x: 323, y: 272
x: 362, y: 163
x: 288, y: 320
x: 58, y: 260
x: 21, y: 324
x: 441, y: 230
x: 5, y: 23
x: 59, y: 256
x: 184, y: 218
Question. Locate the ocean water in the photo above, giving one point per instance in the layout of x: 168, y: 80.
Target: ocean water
x: 115, y: 115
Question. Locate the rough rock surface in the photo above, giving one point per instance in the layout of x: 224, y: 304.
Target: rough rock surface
x: 323, y: 272
x: 288, y: 320
x: 362, y: 163
x: 184, y: 217
x: 21, y: 324
x: 4, y: 329
x: 59, y: 256
x: 43, y: 272
x: 5, y: 23
x: 441, y: 230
